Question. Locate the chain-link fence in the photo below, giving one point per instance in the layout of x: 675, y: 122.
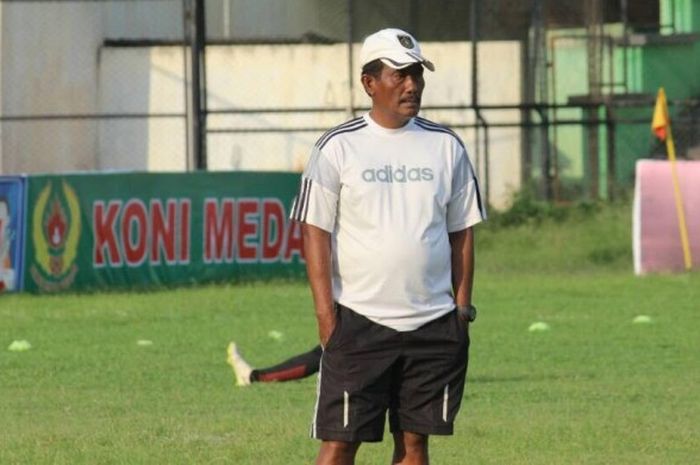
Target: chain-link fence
x: 92, y: 86
x: 551, y: 95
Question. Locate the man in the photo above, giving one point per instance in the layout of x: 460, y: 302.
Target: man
x: 387, y: 203
x: 297, y: 367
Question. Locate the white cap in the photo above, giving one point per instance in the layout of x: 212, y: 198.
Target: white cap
x: 395, y: 48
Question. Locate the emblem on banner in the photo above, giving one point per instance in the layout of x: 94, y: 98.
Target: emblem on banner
x: 56, y: 234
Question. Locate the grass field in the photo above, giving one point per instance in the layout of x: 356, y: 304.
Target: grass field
x: 595, y: 389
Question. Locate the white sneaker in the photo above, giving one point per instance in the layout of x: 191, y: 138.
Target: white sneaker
x: 240, y: 367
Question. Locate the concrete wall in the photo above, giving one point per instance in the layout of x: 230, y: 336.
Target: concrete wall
x: 49, y: 66
x: 150, y: 80
x: 56, y: 63
x: 143, y: 80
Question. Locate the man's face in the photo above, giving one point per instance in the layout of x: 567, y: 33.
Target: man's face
x: 396, y: 93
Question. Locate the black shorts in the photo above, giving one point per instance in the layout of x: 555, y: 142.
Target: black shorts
x: 367, y: 369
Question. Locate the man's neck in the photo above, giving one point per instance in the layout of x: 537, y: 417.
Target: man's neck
x: 389, y: 121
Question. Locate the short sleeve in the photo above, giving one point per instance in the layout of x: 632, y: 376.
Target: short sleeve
x: 465, y: 207
x: 317, y: 200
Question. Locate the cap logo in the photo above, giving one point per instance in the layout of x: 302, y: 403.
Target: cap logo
x: 405, y: 41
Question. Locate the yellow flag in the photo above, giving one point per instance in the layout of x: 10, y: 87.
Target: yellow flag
x: 660, y: 123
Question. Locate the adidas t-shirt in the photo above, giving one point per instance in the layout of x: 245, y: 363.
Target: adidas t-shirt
x: 389, y: 198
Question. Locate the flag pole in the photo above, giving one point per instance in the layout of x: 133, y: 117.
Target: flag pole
x: 671, y: 148
x: 661, y: 126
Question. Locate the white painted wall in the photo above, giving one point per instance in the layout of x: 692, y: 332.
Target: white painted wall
x: 317, y: 76
x: 142, y: 80
x: 49, y: 66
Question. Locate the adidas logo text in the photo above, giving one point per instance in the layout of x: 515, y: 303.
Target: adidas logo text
x: 401, y: 174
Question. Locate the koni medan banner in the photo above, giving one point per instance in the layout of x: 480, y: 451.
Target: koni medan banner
x: 91, y: 231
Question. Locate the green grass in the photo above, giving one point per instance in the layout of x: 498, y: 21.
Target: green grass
x: 595, y: 389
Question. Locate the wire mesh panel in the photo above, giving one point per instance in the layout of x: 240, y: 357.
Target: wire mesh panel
x: 271, y: 96
x: 554, y: 96
x: 277, y: 77
x: 83, y: 88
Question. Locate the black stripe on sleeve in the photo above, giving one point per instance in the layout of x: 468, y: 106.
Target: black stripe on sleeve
x: 306, y: 203
x: 348, y: 129
x: 328, y: 134
x: 295, y: 202
x: 478, y: 198
x: 426, y: 123
x: 351, y: 125
x: 298, y: 200
x: 430, y: 126
x: 303, y: 200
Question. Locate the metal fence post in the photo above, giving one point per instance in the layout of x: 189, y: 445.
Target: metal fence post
x: 199, y: 85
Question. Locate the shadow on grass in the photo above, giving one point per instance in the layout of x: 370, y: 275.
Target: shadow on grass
x: 528, y: 378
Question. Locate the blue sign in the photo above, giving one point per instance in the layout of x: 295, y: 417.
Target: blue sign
x: 12, y: 213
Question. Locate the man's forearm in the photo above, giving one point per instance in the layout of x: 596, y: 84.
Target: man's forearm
x: 317, y: 251
x: 462, y: 244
